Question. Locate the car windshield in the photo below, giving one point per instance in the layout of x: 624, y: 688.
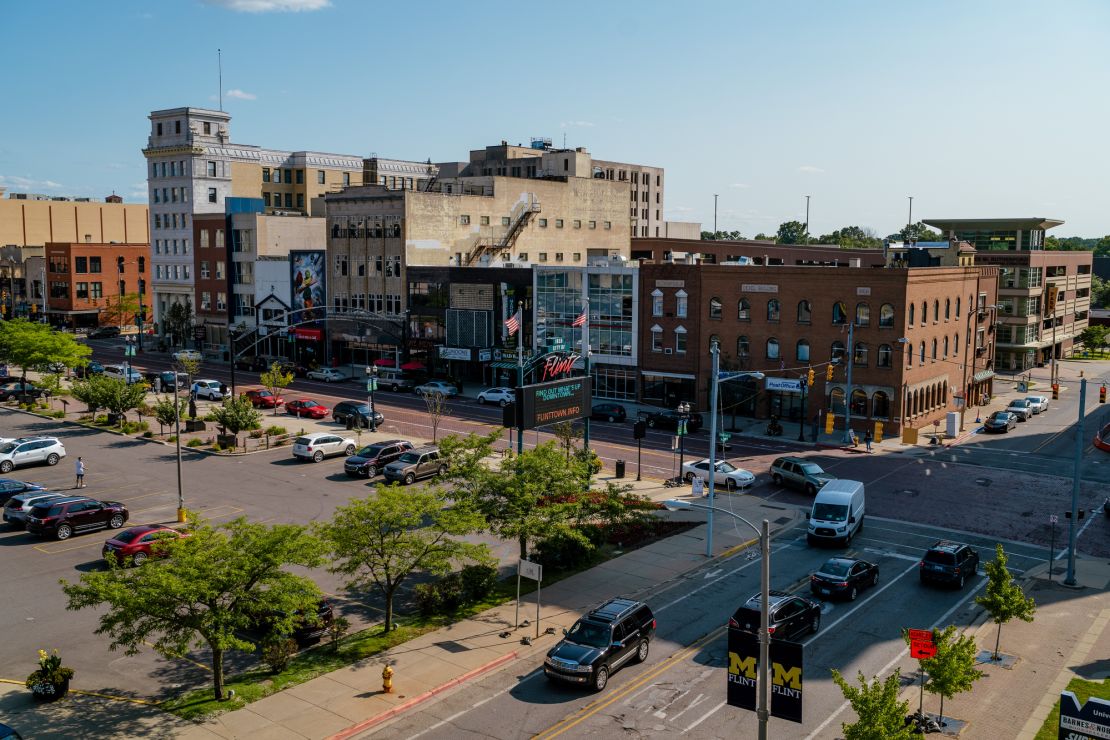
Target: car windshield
x: 309, y: 402
x: 590, y: 634
x: 1032, y: 399
x: 363, y: 409
x: 830, y: 512
x: 10, y: 446
x: 1020, y: 403
x: 1000, y: 415
x: 127, y: 536
x: 371, y: 451
x: 812, y: 469
x: 836, y: 567
x: 409, y: 457
x: 725, y: 467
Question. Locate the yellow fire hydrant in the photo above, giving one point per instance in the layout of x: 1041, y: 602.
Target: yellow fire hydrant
x: 387, y: 680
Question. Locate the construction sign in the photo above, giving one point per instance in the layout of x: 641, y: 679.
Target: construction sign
x: 922, y: 646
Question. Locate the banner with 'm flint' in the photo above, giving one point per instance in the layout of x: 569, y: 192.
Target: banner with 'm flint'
x: 785, y: 674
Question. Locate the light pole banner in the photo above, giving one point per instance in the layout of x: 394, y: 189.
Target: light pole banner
x: 743, y: 671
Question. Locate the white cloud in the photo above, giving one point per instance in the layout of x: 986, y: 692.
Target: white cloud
x: 26, y: 183
x: 576, y: 124
x: 270, y: 6
x: 739, y: 185
x: 809, y: 168
x: 238, y: 94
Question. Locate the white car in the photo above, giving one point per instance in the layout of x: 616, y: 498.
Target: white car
x: 122, y: 372
x: 316, y: 447
x: 1021, y: 408
x: 209, y: 389
x: 326, y: 374
x: 437, y: 388
x: 187, y: 354
x: 1038, y: 403
x: 501, y: 396
x: 30, y: 450
x: 727, y: 475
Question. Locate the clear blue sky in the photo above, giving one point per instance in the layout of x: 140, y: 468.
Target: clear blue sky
x: 980, y: 109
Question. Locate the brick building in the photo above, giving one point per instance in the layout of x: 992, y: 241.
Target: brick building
x: 752, y: 252
x: 86, y: 281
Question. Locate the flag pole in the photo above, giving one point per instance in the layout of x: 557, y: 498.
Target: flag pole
x: 589, y: 398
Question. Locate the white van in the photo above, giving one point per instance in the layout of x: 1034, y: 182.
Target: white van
x: 837, y: 513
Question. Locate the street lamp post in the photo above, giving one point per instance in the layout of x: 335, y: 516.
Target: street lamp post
x: 684, y: 415
x: 764, y: 534
x: 177, y: 443
x: 371, y: 386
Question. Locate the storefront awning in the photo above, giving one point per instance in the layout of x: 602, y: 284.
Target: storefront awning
x: 384, y: 362
x: 314, y: 334
x: 982, y: 375
x: 413, y: 366
x: 503, y: 365
x: 658, y: 374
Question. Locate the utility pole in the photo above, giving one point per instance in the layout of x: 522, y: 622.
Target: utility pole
x: 807, y: 218
x: 714, y: 215
x: 1073, y: 522
x: 910, y: 221
x: 715, y: 354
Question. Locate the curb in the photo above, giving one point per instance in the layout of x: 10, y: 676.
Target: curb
x: 391, y: 713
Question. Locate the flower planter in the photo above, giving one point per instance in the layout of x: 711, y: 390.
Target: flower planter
x: 50, y: 691
x: 194, y: 425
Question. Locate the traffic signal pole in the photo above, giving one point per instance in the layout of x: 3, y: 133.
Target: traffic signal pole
x: 714, y: 380
x: 1073, y: 522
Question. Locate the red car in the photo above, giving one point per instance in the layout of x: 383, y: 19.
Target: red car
x: 263, y: 399
x: 135, y: 543
x: 307, y: 407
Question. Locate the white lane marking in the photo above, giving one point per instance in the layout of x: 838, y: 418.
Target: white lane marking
x: 860, y: 604
x: 947, y: 533
x: 901, y: 654
x: 888, y: 554
x: 697, y: 700
x: 715, y: 581
x: 704, y: 717
x: 713, y: 574
x: 662, y: 714
x: 476, y: 704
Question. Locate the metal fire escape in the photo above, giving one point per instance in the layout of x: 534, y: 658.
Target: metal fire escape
x: 522, y: 214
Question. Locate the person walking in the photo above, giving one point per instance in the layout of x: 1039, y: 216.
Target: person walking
x: 867, y: 439
x: 80, y: 473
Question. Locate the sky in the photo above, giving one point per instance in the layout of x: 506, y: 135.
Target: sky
x: 985, y: 109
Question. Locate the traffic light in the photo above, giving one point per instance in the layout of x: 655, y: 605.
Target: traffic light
x: 1102, y: 394
x: 828, y: 372
x: 639, y: 429
x: 1055, y: 391
x: 809, y: 378
x: 34, y: 308
x: 142, y: 285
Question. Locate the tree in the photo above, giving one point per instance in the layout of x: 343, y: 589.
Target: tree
x: 761, y: 237
x: 169, y: 409
x: 722, y: 235
x: 275, y: 380
x: 567, y: 433
x: 209, y: 591
x: 178, y: 322
x: 92, y: 391
x: 1004, y: 600
x: 237, y: 414
x: 952, y: 670
x: 792, y: 232
x: 1094, y: 337
x: 120, y: 311
x: 918, y: 232
x: 880, y: 716
x: 27, y: 344
x: 852, y: 237
x: 119, y: 396
x: 381, y: 540
x: 1100, y: 292
x: 436, y: 403
x: 51, y: 383
x: 190, y: 367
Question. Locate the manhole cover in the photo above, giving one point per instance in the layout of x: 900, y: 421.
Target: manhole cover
x: 983, y: 481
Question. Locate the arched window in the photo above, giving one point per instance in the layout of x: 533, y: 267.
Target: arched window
x: 802, y: 350
x: 945, y: 347
x: 911, y: 314
x: 880, y: 405
x: 744, y: 310
x: 772, y: 349
x: 886, y: 316
x: 934, y: 349
x: 936, y: 310
x: 956, y: 344
x: 923, y: 353
x: 657, y: 338
x: 743, y: 348
x: 805, y: 312
x: 836, y: 401
x: 863, y: 314
x: 924, y: 312
x: 840, y: 313
x: 859, y: 403
x: 947, y: 309
x: 885, y: 358
x: 859, y: 354
x: 715, y: 308
x: 957, y: 307
x: 838, y: 351
x: 773, y: 309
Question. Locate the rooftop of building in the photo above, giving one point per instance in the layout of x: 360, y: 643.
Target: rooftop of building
x: 189, y: 110
x: 992, y: 224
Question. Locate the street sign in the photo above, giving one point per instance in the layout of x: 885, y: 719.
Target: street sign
x: 1086, y: 721
x: 371, y: 385
x: 724, y: 436
x: 786, y: 385
x: 921, y: 644
x: 528, y: 569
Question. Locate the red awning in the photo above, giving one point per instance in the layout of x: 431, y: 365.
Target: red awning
x: 413, y: 366
x: 314, y: 334
x: 384, y: 362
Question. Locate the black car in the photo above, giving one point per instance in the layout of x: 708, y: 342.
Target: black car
x: 103, y: 332
x: 168, y: 380
x: 949, y: 562
x: 601, y: 642
x: 357, y: 411
x: 791, y: 616
x: 670, y: 420
x: 10, y: 390
x: 306, y: 627
x: 1000, y: 421
x: 257, y: 364
x: 843, y: 577
x: 10, y: 487
x: 86, y: 371
x: 63, y: 517
x: 369, y: 461
x: 608, y: 412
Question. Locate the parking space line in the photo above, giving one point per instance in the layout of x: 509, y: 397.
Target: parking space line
x: 704, y: 717
x: 93, y: 693
x: 860, y: 604
x: 182, y: 657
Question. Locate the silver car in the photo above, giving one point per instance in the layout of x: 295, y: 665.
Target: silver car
x: 316, y: 447
x: 437, y: 388
x: 1021, y: 408
x: 30, y: 450
x: 1038, y: 403
x: 19, y: 505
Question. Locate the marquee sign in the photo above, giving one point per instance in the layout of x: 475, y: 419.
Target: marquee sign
x: 556, y: 366
x: 549, y: 403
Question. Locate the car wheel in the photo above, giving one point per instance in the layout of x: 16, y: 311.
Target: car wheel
x: 116, y: 521
x: 874, y: 579
x: 811, y: 489
x: 777, y: 479
x: 690, y: 478
x: 612, y: 419
x: 851, y: 595
x: 139, y: 559
x: 810, y: 540
x: 815, y: 623
x: 349, y: 450
x: 63, y: 532
x: 848, y: 539
x: 409, y: 479
x: 651, y: 423
x: 317, y: 456
x: 371, y: 471
x: 730, y: 484
x: 601, y: 678
x: 442, y: 470
x: 6, y: 466
x: 395, y: 388
x: 642, y: 651
x: 504, y: 403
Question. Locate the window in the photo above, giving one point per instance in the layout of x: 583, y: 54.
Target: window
x: 558, y: 256
x: 863, y: 314
x: 177, y: 127
x: 880, y: 405
x: 680, y: 340
x: 266, y: 174
x: 300, y: 200
x: 859, y: 354
x: 81, y: 265
x: 346, y: 179
x: 744, y: 310
x: 945, y: 355
x: 211, y: 169
x: 947, y: 309
x: 805, y: 312
x: 839, y: 313
x: 680, y: 304
x: 320, y: 177
x: 772, y: 349
x: 911, y: 314
x: 743, y: 348
x: 715, y: 308
x: 185, y: 272
x: 593, y: 224
x: 957, y: 307
x: 773, y: 311
x: 837, y: 351
x: 836, y: 401
x: 207, y: 128
x: 219, y: 238
x: 82, y: 290
x: 159, y: 129
x: 543, y: 223
x: 505, y: 221
x: 96, y: 290
x: 558, y: 223
x: 656, y: 338
x: 543, y: 256
x: 885, y: 357
x: 300, y: 177
x: 94, y: 264
x: 288, y: 200
x: 656, y: 302
x: 464, y: 220
x: 204, y: 269
x: 802, y: 350
x: 577, y: 223
x: 577, y: 256
x: 483, y: 220
x: 934, y: 350
x: 221, y: 301
x: 608, y: 224
x: 922, y: 353
x: 211, y: 195
x: 936, y: 310
x: 924, y: 312
x: 886, y: 316
x: 859, y: 403
x: 341, y: 265
x: 205, y: 301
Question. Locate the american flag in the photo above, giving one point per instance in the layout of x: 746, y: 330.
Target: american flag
x: 512, y: 324
x: 580, y: 321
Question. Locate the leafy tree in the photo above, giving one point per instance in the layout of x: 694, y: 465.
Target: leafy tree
x: 119, y: 396
x: 792, y: 232
x: 436, y: 404
x: 274, y: 380
x: 208, y: 591
x: 166, y: 411
x: 852, y: 237
x: 567, y: 433
x: 178, y: 322
x: 51, y: 383
x: 381, y: 540
x: 92, y: 391
x: 1094, y: 337
x: 919, y: 232
x: 722, y: 235
x: 1100, y: 292
x: 761, y: 237
x: 952, y: 670
x: 120, y: 312
x: 1004, y: 600
x: 237, y: 414
x: 27, y: 344
x: 880, y: 716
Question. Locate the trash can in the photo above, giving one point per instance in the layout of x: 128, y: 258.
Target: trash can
x: 620, y: 469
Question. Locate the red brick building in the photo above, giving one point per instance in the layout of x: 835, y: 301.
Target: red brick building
x: 210, y: 265
x: 757, y: 253
x: 85, y: 282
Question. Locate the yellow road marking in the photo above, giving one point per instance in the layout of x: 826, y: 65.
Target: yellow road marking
x: 182, y: 657
x: 593, y: 708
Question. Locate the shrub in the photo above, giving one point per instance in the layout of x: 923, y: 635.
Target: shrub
x: 58, y: 414
x: 148, y: 435
x: 210, y: 417
x: 477, y: 582
x: 443, y: 596
x: 336, y: 630
x: 256, y: 434
x: 427, y: 599
x: 195, y: 443
x: 100, y: 419
x: 171, y: 438
x: 277, y: 651
x: 562, y: 552
x: 275, y: 430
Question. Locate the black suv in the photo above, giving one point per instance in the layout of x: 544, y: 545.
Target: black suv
x: 790, y: 616
x: 357, y: 411
x: 62, y: 517
x: 670, y: 419
x: 601, y: 642
x: 949, y: 562
x: 368, y: 462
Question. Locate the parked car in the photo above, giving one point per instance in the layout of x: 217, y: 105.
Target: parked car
x: 306, y: 407
x: 415, y: 464
x: 949, y: 562
x: 357, y: 411
x: 370, y: 460
x: 307, y: 628
x: 316, y: 447
x: 209, y: 389
x: 123, y: 372
x: 1021, y: 408
x: 437, y: 388
x: 167, y: 380
x: 103, y: 332
x: 797, y: 471
x: 612, y: 412
x: 501, y: 396
x: 726, y: 475
x: 10, y: 390
x: 395, y: 379
x: 137, y: 544
x: 1000, y: 421
x: 10, y: 487
x: 843, y: 577
x: 9, y: 733
x: 85, y: 371
x: 669, y: 419
x: 261, y: 398
x: 618, y: 631
x: 19, y: 506
x: 1038, y: 403
x: 789, y: 616
x: 187, y: 354
x: 254, y: 363
x: 327, y: 374
x: 30, y: 450
x: 69, y: 515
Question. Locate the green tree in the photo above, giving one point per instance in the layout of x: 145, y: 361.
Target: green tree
x: 1100, y: 292
x: 919, y: 232
x: 761, y: 237
x: 1004, y: 600
x: 1094, y: 337
x: 119, y: 396
x: 51, y: 383
x: 722, y: 235
x: 166, y: 411
x: 274, y: 380
x: 852, y: 237
x: 237, y: 414
x: 92, y: 391
x: 121, y: 310
x: 952, y: 670
x: 27, y: 344
x: 207, y: 592
x: 178, y: 322
x: 880, y: 716
x: 567, y: 432
x: 381, y: 540
x: 792, y: 232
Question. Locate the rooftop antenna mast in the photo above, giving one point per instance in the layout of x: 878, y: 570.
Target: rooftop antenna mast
x: 220, y: 66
